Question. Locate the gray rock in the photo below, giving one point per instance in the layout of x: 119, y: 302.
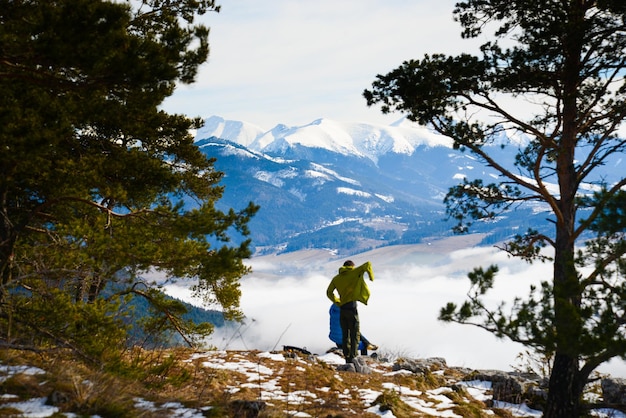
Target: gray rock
x: 361, y: 366
x: 516, y: 388
x: 420, y: 366
x: 247, y: 409
x: 614, y: 390
x: 348, y: 367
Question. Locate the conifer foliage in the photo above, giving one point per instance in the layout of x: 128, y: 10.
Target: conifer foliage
x: 552, y: 81
x: 97, y: 184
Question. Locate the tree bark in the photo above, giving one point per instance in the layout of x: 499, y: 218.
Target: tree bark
x: 7, y: 242
x: 564, y: 388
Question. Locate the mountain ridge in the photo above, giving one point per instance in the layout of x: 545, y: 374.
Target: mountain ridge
x: 347, y: 138
x: 353, y: 186
x: 346, y: 186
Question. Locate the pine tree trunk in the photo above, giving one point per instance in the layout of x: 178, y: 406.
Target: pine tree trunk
x: 564, y: 389
x: 8, y: 237
x: 6, y: 260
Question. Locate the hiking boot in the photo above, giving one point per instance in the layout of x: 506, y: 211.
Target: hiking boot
x: 348, y: 367
x: 372, y: 347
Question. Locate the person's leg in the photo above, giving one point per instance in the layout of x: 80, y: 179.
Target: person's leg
x: 345, y: 320
x: 354, y: 335
x: 350, y: 333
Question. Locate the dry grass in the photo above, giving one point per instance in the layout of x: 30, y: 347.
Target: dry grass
x: 268, y: 386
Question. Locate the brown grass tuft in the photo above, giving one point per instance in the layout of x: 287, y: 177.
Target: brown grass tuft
x: 146, y: 384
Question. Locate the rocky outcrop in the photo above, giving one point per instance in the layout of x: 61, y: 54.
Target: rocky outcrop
x: 420, y: 366
x: 514, y: 387
x: 510, y: 387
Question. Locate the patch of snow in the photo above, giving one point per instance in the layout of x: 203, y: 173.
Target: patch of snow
x: 250, y: 369
x: 331, y: 358
x: 33, y: 408
x: 352, y: 192
x: 388, y: 199
x: 270, y: 178
x: 230, y: 150
x: 317, y: 174
x: 518, y: 410
x: 477, y: 389
x: 376, y: 410
x: 402, y: 390
x: 298, y: 193
x: 368, y: 396
x: 428, y: 408
x: 144, y: 404
x: 9, y: 371
x: 271, y: 356
x: 608, y: 413
x: 333, y: 173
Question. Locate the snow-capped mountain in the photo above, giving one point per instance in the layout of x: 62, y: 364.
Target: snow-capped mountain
x: 348, y: 186
x: 346, y: 138
x: 239, y: 132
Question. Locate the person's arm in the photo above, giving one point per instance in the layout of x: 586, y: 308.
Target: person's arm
x: 330, y: 292
x: 367, y: 268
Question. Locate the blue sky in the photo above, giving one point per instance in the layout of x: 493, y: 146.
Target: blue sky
x: 294, y: 61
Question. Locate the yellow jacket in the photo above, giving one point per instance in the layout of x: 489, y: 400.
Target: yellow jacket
x: 350, y: 284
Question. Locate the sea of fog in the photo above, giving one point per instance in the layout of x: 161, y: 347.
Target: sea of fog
x: 284, y: 300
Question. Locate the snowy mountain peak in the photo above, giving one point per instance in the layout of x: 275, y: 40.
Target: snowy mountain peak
x: 239, y: 132
x: 347, y: 138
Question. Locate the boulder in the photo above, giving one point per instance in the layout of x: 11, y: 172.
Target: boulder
x: 614, y: 391
x: 420, y: 366
x: 247, y: 409
x: 358, y: 365
x: 361, y: 366
x: 513, y: 387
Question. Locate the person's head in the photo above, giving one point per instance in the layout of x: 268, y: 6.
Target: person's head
x: 348, y: 263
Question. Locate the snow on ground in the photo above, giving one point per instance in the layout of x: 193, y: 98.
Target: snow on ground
x: 263, y: 378
x: 266, y: 381
x: 33, y: 408
x: 9, y: 371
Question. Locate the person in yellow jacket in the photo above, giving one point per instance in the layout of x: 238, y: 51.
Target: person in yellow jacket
x: 351, y: 287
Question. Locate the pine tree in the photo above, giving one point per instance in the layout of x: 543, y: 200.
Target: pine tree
x: 97, y: 184
x: 564, y: 62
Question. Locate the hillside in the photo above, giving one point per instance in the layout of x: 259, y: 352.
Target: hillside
x: 185, y: 383
x: 353, y: 187
x: 346, y: 186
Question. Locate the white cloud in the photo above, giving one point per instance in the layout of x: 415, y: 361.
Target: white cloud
x: 285, y: 302
x: 293, y: 62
